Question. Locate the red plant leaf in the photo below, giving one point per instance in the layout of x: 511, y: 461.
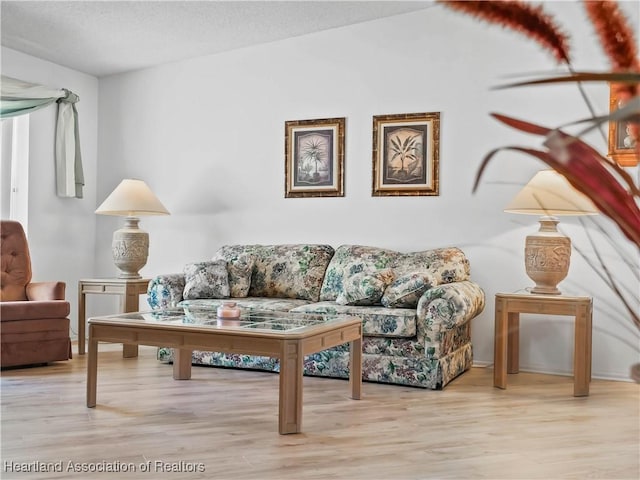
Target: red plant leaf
x: 529, y: 20
x: 534, y: 129
x: 583, y: 167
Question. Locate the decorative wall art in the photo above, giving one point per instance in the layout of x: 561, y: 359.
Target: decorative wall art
x: 621, y: 143
x: 314, y: 158
x: 406, y: 154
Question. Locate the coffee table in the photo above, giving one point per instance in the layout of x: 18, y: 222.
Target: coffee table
x: 287, y: 336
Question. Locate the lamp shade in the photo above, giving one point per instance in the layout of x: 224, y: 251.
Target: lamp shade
x: 547, y: 253
x: 130, y: 199
x: 130, y: 245
x: 549, y: 193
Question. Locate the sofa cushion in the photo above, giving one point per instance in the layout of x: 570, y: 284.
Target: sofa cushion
x: 36, y: 310
x: 206, y: 280
x: 365, y: 288
x: 446, y: 264
x: 349, y: 260
x: 240, y: 269
x: 406, y: 290
x: 249, y: 303
x: 284, y: 271
x: 376, y: 320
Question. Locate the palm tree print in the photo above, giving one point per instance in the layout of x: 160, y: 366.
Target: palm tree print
x: 313, y: 159
x: 404, y: 155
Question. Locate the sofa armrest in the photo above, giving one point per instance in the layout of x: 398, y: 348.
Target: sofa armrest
x: 447, y: 306
x: 44, y: 291
x: 165, y: 291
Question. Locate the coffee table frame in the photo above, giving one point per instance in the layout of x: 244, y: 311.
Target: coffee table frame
x: 289, y: 346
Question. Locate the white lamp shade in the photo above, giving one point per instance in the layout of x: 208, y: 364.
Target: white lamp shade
x: 132, y: 198
x: 549, y: 193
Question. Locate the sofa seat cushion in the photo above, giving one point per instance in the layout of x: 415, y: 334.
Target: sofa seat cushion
x: 44, y: 309
x: 283, y: 271
x: 35, y: 330
x: 376, y: 321
x: 249, y: 303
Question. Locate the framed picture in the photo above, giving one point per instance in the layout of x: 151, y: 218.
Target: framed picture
x: 621, y: 144
x: 406, y: 154
x: 314, y: 158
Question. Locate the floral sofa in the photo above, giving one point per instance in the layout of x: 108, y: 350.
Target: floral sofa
x: 416, y: 308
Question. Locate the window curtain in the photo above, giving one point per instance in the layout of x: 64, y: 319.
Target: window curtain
x: 20, y: 98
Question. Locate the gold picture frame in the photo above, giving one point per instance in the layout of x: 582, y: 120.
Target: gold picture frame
x: 621, y: 146
x: 314, y: 158
x: 406, y: 154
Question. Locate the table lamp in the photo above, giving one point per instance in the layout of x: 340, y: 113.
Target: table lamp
x: 130, y: 246
x: 547, y: 253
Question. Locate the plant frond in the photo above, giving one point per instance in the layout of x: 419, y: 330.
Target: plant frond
x: 529, y: 20
x: 630, y: 78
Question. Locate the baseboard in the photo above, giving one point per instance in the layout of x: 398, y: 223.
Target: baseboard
x: 620, y: 377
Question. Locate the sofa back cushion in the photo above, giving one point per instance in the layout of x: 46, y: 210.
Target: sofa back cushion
x: 445, y: 264
x: 283, y: 271
x: 206, y: 280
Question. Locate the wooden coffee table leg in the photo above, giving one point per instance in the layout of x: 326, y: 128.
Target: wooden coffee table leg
x: 290, y: 396
x: 355, y: 368
x: 181, y: 364
x: 92, y: 371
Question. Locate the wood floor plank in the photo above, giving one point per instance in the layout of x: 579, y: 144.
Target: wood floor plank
x: 225, y: 422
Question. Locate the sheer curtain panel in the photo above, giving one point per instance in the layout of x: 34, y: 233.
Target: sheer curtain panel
x: 20, y: 98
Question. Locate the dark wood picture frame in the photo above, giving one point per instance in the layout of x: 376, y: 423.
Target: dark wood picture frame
x: 406, y: 154
x: 314, y: 158
x: 621, y: 145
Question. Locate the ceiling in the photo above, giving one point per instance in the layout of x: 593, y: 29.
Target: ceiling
x: 108, y: 37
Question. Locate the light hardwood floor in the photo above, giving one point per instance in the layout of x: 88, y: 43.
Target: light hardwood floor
x: 227, y: 421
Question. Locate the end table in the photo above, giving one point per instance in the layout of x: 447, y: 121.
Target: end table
x: 129, y: 291
x: 509, y: 306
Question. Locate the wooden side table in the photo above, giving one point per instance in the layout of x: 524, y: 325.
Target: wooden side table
x: 509, y: 306
x: 129, y: 291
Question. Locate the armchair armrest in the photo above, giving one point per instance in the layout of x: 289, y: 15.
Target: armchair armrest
x: 40, y: 291
x: 447, y: 306
x: 165, y: 291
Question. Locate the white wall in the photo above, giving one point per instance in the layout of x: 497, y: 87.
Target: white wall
x: 61, y: 231
x: 207, y: 135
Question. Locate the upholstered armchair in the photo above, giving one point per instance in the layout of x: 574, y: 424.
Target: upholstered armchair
x: 34, y: 323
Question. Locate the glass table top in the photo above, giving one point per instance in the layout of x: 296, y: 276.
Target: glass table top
x: 207, y: 317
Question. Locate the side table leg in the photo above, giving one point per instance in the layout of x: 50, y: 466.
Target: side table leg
x: 290, y: 396
x: 513, y: 342
x: 131, y: 304
x: 581, y: 351
x: 500, y: 346
x: 82, y: 319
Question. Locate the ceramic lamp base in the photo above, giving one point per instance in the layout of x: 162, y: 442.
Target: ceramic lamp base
x: 547, y: 257
x: 130, y: 249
